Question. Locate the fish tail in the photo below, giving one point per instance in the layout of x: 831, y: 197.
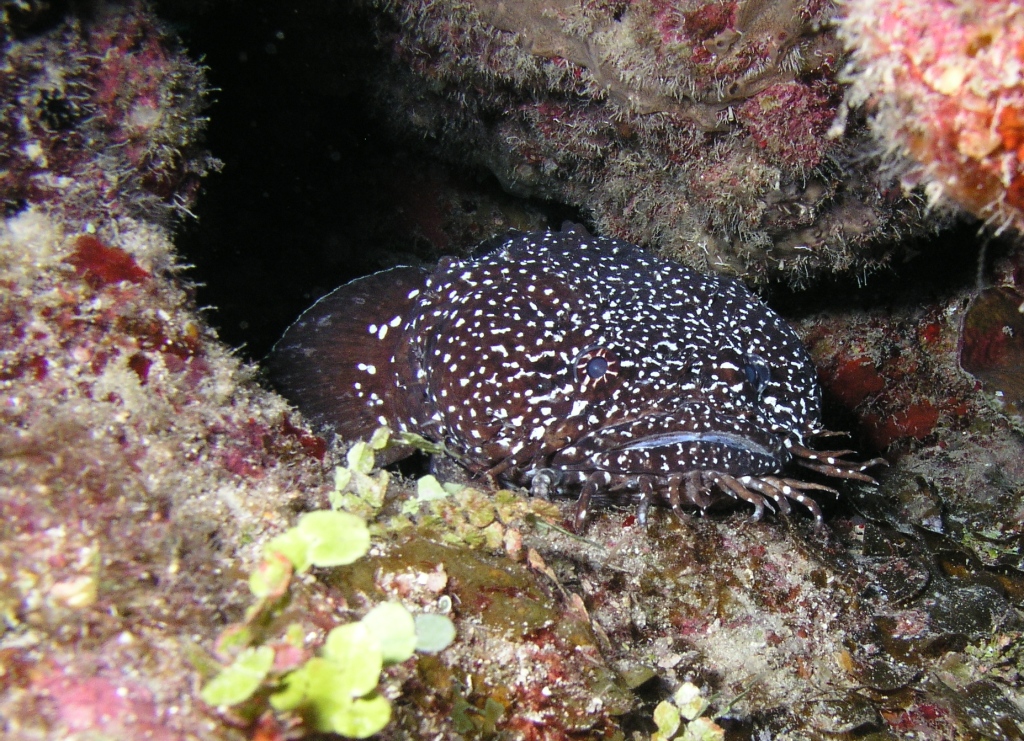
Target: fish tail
x: 345, y: 360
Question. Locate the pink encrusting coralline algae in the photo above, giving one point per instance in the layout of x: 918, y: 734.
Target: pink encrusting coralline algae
x: 943, y: 84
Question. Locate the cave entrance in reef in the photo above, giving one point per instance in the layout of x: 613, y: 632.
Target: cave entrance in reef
x: 314, y: 191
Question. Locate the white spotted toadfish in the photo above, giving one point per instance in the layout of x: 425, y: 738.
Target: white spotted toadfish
x: 573, y: 365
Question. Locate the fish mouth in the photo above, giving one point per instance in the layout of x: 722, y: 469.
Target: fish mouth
x: 723, y: 439
x: 694, y: 436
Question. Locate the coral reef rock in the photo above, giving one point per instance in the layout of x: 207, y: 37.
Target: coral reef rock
x: 699, y: 128
x: 943, y: 83
x: 143, y: 470
x: 137, y: 458
x: 101, y: 115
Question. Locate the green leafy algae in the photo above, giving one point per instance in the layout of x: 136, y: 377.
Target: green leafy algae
x: 682, y: 717
x: 335, y: 691
x: 238, y: 681
x: 434, y: 633
x: 324, y: 538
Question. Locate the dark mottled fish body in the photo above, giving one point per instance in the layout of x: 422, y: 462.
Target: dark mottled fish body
x: 573, y: 365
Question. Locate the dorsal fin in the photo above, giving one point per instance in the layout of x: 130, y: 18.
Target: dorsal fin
x: 335, y: 362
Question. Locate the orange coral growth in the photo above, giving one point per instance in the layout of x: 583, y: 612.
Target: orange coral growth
x: 916, y: 421
x: 939, y: 80
x: 1011, y: 129
x: 854, y: 380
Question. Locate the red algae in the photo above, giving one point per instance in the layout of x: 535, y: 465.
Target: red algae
x: 313, y: 445
x: 101, y: 265
x: 709, y: 20
x: 916, y: 421
x: 84, y: 703
x: 789, y: 120
x: 853, y: 380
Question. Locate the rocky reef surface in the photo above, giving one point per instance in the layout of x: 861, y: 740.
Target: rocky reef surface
x: 943, y: 84
x: 701, y: 129
x: 150, y: 486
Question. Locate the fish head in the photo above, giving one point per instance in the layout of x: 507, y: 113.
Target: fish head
x: 590, y: 355
x: 731, y: 408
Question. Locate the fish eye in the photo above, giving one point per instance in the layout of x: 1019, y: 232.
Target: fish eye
x: 595, y: 367
x: 757, y: 371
